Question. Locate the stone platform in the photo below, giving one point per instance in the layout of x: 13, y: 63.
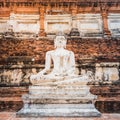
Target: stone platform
x: 12, y: 116
x: 108, y: 98
x: 58, y: 110
x: 63, y: 100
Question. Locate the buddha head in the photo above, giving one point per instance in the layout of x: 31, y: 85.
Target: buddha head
x: 60, y: 41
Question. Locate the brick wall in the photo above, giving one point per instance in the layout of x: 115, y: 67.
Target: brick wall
x: 103, y: 49
x: 100, y: 48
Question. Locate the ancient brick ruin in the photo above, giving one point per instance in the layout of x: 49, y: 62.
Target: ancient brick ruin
x: 27, y: 29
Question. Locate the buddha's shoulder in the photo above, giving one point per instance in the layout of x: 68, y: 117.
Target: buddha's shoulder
x: 50, y: 52
x: 70, y: 52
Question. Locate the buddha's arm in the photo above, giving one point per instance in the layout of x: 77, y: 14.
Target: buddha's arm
x: 72, y: 59
x: 47, y: 63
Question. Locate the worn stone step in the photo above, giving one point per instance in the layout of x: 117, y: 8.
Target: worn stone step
x: 58, y: 110
x: 58, y: 91
x: 74, y: 92
x: 53, y: 99
x: 106, y: 91
x: 55, y: 106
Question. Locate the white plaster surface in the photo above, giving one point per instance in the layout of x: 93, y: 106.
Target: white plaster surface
x: 108, y: 71
x: 56, y: 23
x: 88, y: 23
x: 114, y: 23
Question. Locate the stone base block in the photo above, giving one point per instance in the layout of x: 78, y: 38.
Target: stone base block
x: 59, y: 110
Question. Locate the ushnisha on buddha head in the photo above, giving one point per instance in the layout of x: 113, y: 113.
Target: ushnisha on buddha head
x: 60, y: 41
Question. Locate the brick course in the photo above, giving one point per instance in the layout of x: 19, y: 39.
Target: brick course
x: 100, y: 48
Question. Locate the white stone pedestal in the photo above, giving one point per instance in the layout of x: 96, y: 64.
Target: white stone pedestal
x: 64, y: 100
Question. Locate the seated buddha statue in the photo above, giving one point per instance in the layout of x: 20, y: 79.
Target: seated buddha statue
x: 63, y: 65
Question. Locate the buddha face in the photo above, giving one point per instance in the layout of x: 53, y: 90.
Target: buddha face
x: 60, y: 42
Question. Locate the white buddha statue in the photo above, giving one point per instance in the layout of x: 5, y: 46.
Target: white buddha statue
x: 63, y: 64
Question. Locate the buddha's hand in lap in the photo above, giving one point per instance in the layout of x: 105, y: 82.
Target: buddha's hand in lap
x: 37, y: 76
x: 32, y: 77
